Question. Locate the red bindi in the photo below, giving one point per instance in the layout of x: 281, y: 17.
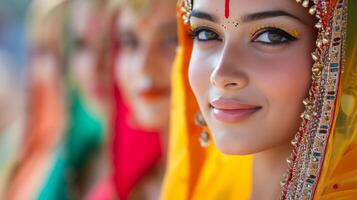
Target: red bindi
x: 226, y: 9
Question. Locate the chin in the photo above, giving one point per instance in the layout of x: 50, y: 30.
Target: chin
x: 151, y: 117
x: 152, y: 122
x: 234, y: 146
x: 148, y: 126
x: 228, y: 150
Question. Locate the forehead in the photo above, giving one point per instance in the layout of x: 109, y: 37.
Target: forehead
x: 157, y: 13
x: 239, y: 8
x: 85, y: 18
x: 139, y: 7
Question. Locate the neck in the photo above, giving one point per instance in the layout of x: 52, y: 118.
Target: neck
x: 268, y: 169
x: 164, y: 143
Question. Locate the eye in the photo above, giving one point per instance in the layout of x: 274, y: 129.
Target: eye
x: 81, y: 44
x: 205, y: 34
x: 128, y: 41
x: 273, y: 36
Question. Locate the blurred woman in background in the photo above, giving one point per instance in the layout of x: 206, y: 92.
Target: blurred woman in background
x: 45, y: 121
x: 145, y: 32
x: 81, y: 158
x: 68, y: 111
x: 68, y: 147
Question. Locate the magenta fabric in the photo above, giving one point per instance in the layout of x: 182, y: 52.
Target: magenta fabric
x: 135, y: 152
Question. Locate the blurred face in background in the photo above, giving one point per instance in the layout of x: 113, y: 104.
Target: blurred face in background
x: 10, y: 92
x: 148, y: 40
x: 88, y: 27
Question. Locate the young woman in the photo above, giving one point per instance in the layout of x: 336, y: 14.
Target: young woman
x: 45, y: 118
x: 273, y: 81
x: 78, y: 160
x: 62, y: 141
x: 147, y: 39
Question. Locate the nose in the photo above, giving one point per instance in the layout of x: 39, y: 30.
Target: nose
x: 229, y: 74
x: 148, y: 56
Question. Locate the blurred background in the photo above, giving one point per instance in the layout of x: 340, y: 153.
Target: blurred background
x: 13, y: 87
x: 84, y: 97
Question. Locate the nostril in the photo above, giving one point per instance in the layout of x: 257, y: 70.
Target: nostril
x: 231, y: 85
x: 229, y: 81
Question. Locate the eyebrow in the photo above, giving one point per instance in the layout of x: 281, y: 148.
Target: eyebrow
x: 267, y: 14
x: 202, y: 15
x: 248, y: 17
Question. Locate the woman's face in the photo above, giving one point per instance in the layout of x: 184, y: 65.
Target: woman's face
x: 85, y: 58
x: 148, y: 42
x: 251, y: 70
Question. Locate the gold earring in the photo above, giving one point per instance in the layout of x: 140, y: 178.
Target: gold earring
x: 204, y: 138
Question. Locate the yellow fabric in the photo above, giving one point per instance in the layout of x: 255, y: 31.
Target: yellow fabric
x: 224, y: 177
x: 206, y: 174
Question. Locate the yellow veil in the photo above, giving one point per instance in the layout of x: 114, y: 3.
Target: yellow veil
x: 330, y: 157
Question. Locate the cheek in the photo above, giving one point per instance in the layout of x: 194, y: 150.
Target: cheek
x: 124, y: 73
x: 285, y: 83
x: 165, y: 74
x: 288, y: 77
x: 161, y: 69
x: 199, y: 74
x: 84, y: 69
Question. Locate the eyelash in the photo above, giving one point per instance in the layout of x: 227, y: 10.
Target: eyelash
x: 289, y: 37
x: 196, y: 31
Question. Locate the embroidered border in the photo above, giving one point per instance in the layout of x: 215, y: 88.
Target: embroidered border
x: 306, y: 162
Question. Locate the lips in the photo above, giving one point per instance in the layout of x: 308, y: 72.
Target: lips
x: 154, y: 93
x: 232, y: 110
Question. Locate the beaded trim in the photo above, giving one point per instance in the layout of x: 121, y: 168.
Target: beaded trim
x: 186, y: 8
x: 310, y: 143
